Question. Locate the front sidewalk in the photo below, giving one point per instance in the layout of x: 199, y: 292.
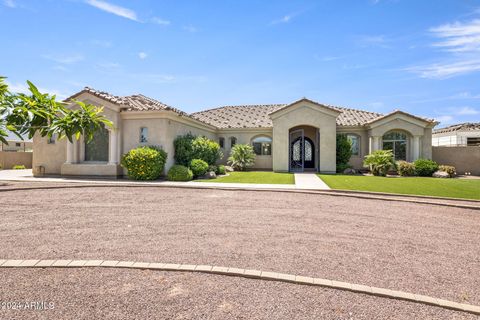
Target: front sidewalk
x: 304, y: 181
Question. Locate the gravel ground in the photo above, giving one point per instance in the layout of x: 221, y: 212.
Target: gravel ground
x: 429, y: 250
x: 136, y: 294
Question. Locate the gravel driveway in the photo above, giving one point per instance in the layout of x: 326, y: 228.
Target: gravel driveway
x: 430, y: 250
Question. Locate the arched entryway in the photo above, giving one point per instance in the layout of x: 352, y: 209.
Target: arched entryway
x: 303, y: 146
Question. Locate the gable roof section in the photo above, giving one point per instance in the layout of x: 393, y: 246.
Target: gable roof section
x: 136, y: 102
x: 431, y: 121
x: 467, y: 126
x: 258, y: 116
x: 304, y: 100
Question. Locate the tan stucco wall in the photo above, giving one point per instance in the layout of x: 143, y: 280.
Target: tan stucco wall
x: 357, y: 161
x: 245, y: 136
x: 304, y: 114
x: 161, y: 132
x: 49, y: 156
x: 12, y: 146
x: 8, y: 159
x: 464, y: 159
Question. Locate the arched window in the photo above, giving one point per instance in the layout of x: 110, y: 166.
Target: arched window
x: 233, y: 141
x: 355, y: 141
x: 397, y: 142
x: 97, y: 148
x: 262, y: 146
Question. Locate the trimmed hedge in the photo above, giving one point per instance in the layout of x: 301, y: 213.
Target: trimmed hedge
x: 179, y: 173
x: 425, y: 167
x: 17, y: 167
x: 144, y: 163
x: 344, y: 152
x: 198, y: 167
x: 448, y: 169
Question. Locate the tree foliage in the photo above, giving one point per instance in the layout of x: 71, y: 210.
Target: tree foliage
x: 380, y: 162
x: 242, y: 156
x: 344, y: 152
x: 189, y: 147
x: 36, y: 112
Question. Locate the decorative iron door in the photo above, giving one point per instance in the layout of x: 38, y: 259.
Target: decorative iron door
x: 296, y: 150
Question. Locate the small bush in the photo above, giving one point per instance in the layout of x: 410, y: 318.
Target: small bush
x: 405, y: 169
x: 144, y: 163
x: 220, y: 169
x: 179, y: 173
x: 380, y: 162
x: 18, y: 167
x: 198, y: 167
x: 448, y: 169
x: 242, y: 156
x: 425, y: 167
x: 212, y: 168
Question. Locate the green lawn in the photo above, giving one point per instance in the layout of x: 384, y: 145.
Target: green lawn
x: 256, y: 177
x: 453, y: 188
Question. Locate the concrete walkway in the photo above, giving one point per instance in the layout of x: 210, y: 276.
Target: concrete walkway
x: 302, y: 181
x: 246, y: 273
x: 309, y: 181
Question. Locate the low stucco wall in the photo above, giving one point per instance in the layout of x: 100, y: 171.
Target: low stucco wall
x: 464, y: 159
x: 10, y: 159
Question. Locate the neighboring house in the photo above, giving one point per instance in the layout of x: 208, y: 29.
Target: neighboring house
x: 457, y: 135
x: 15, y: 144
x: 296, y: 137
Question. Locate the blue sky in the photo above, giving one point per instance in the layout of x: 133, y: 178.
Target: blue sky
x: 419, y: 56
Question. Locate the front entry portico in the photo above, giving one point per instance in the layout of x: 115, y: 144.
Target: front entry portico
x: 304, y: 137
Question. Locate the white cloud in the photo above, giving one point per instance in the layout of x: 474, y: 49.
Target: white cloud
x: 65, y: 59
x: 466, y: 111
x: 114, y: 9
x: 190, y: 28
x: 285, y: 19
x: 10, y: 3
x: 446, y: 70
x: 142, y: 55
x: 160, y: 21
x: 458, y: 36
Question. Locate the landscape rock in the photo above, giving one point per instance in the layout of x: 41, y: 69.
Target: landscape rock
x: 349, y: 171
x: 228, y: 169
x: 440, y: 174
x: 210, y: 175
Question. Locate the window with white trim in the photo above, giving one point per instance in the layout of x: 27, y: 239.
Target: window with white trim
x: 143, y: 135
x: 262, y: 146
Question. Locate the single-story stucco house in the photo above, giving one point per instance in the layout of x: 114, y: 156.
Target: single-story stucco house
x: 457, y: 135
x: 297, y: 136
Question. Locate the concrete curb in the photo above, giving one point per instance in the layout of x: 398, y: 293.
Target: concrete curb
x: 246, y: 273
x: 334, y: 193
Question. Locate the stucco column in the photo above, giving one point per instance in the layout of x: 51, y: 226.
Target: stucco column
x: 113, y: 147
x: 415, y: 147
x: 69, y: 152
x: 374, y: 143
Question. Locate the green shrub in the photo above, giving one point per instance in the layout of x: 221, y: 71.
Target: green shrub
x: 207, y: 150
x: 242, y: 156
x: 18, y: 167
x: 380, y: 162
x: 425, y: 167
x: 220, y: 169
x: 189, y: 147
x: 144, y: 163
x: 179, y: 173
x: 344, y: 152
x: 448, y: 169
x: 198, y: 167
x: 212, y: 168
x: 405, y: 169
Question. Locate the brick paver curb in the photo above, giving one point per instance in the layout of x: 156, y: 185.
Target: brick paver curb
x: 247, y: 273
